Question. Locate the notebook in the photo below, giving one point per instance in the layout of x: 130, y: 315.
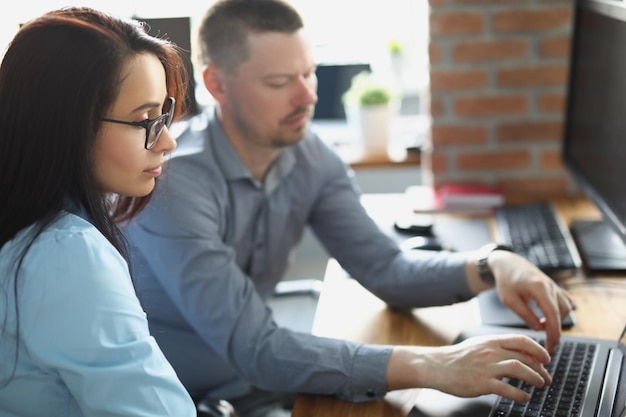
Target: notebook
x: 603, y: 395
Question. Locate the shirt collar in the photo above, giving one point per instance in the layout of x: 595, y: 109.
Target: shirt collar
x: 233, y: 167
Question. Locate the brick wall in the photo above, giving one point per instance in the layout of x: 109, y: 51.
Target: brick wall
x: 498, y: 83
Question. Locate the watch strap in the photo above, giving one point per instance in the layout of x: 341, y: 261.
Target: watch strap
x: 482, y: 265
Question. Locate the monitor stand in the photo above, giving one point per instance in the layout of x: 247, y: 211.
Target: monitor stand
x: 600, y: 247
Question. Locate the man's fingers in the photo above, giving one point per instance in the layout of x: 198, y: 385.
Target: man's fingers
x: 526, y: 346
x: 504, y: 389
x: 532, y: 373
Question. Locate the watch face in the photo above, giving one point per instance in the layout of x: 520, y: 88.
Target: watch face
x: 485, y: 273
x: 483, y: 266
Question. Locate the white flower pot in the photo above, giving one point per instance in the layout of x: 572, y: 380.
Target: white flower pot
x: 372, y: 123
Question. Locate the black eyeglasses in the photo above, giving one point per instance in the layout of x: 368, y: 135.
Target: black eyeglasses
x: 154, y: 127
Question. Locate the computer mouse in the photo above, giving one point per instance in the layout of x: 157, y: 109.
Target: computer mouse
x: 422, y: 243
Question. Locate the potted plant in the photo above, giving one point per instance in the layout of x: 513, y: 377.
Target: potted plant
x: 368, y: 110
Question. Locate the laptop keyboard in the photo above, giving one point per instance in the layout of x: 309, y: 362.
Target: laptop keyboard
x: 570, y: 370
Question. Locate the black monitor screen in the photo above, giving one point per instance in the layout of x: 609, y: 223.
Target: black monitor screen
x: 594, y: 146
x: 178, y: 30
x: 332, y: 82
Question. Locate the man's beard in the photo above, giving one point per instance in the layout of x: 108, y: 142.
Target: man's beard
x: 283, y: 136
x: 295, y: 135
x: 297, y: 113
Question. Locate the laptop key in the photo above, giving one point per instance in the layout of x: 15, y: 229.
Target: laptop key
x: 570, y: 370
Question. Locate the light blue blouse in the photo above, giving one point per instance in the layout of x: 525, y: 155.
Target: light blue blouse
x: 84, y: 348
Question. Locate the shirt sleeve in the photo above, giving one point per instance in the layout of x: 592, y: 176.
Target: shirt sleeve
x: 81, y: 321
x: 180, y: 236
x: 402, y: 279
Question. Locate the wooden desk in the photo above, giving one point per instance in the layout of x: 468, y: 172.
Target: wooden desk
x: 601, y: 312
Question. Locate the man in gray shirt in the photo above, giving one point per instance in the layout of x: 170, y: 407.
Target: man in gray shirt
x: 244, y: 183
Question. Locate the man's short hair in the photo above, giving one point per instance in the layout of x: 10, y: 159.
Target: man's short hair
x: 224, y: 29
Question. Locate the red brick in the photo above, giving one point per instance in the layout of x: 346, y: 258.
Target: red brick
x: 532, y: 20
x: 465, y: 177
x: 532, y: 76
x: 494, y: 160
x: 456, y: 23
x: 556, y: 47
x: 434, y: 52
x: 436, y: 161
x: 490, y: 50
x: 527, y: 131
x: 436, y: 107
x: 458, y: 134
x: 492, y: 105
x: 514, y: 27
x: 539, y: 187
x: 457, y: 80
x: 552, y: 159
x: 552, y: 102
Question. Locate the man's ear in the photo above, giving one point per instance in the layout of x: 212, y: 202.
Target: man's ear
x: 213, y: 81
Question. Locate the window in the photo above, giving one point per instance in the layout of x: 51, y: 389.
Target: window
x: 342, y: 31
x: 390, y: 35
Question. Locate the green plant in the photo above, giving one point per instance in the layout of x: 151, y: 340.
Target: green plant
x: 395, y: 47
x: 366, y: 91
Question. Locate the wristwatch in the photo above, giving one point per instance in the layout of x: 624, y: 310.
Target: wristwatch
x: 484, y: 272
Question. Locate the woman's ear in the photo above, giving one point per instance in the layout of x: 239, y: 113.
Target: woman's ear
x: 213, y: 81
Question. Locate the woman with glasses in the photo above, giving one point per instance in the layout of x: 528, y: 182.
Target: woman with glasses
x: 85, y: 104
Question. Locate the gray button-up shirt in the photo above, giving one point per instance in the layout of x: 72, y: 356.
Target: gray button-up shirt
x: 213, y: 243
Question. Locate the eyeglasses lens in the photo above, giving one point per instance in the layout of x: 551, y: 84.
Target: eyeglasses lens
x: 157, y: 127
x: 155, y: 131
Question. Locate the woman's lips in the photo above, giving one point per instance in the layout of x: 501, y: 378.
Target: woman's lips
x: 154, y: 172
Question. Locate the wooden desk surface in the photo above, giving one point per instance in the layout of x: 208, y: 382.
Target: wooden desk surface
x: 601, y: 312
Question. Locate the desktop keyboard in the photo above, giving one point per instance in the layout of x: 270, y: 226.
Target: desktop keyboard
x: 570, y: 370
x: 535, y: 231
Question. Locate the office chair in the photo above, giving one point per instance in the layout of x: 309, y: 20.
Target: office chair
x: 215, y: 408
x: 294, y: 303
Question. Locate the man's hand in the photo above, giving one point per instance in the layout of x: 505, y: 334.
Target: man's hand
x: 473, y: 367
x: 518, y: 281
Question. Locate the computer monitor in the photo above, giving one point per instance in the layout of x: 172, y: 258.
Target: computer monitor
x: 178, y: 30
x: 594, y: 144
x: 332, y: 81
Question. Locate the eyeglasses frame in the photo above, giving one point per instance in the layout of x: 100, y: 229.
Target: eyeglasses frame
x: 148, y: 123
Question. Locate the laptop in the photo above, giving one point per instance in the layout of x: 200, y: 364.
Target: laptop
x: 603, y: 394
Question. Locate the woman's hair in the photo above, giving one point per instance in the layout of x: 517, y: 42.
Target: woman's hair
x: 59, y: 77
x: 225, y: 27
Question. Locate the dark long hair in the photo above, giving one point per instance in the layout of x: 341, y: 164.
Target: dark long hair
x: 58, y: 78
